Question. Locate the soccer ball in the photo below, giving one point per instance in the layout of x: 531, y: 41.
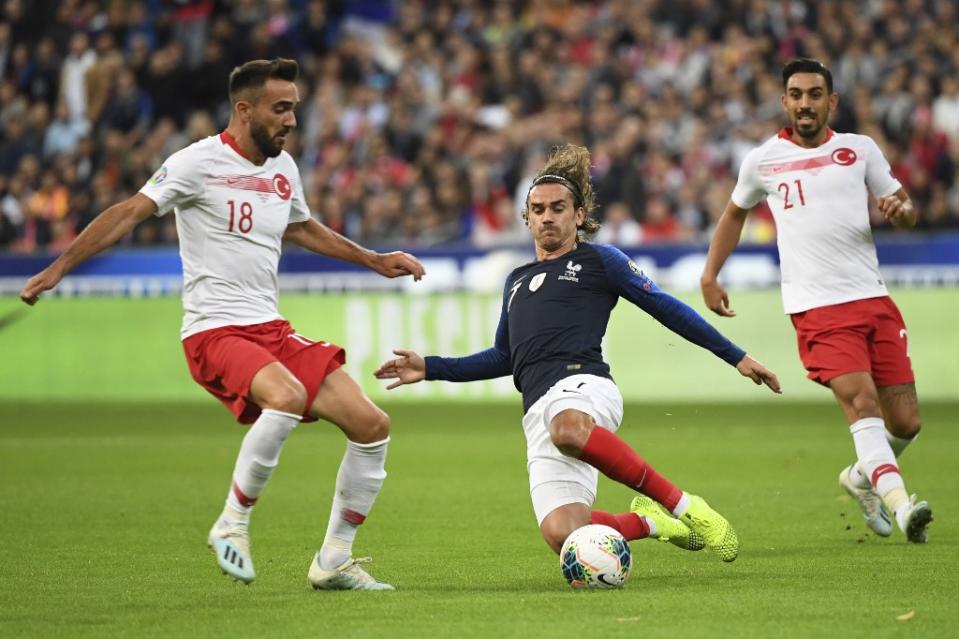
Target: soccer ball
x: 595, y: 556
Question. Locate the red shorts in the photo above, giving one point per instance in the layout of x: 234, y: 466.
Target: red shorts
x: 224, y: 361
x: 865, y: 335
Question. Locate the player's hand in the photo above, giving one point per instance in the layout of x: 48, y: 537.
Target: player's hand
x: 748, y: 367
x: 398, y: 264
x: 408, y: 368
x: 900, y: 213
x: 42, y: 281
x: 716, y: 298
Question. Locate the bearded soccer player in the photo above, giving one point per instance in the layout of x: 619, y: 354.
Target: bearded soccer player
x: 851, y: 336
x: 237, y: 196
x: 553, y: 318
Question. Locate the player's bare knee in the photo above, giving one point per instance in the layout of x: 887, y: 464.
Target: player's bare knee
x: 566, y: 438
x: 374, y: 427
x: 905, y: 428
x: 569, y: 431
x: 288, y: 396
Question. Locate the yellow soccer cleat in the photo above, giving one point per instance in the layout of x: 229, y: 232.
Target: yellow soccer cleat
x: 668, y: 528
x: 715, y: 530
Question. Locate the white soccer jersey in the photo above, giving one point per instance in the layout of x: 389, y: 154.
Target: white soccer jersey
x: 230, y: 216
x: 819, y: 201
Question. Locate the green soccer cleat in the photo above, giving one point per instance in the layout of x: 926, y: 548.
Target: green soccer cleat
x: 668, y: 527
x: 349, y: 576
x: 715, y: 530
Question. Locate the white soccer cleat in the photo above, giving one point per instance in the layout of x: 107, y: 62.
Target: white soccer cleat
x: 349, y: 576
x: 873, y: 511
x: 917, y: 520
x: 231, y: 545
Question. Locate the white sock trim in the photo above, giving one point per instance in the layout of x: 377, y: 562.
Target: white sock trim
x: 867, y: 422
x: 681, y: 506
x: 280, y: 413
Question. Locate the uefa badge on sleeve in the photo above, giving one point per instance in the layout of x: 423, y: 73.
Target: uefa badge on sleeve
x: 159, y: 176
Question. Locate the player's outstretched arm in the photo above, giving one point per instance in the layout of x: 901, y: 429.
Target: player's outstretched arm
x: 316, y: 237
x: 408, y: 368
x: 748, y: 367
x: 102, y: 232
x: 728, y: 231
x: 898, y: 209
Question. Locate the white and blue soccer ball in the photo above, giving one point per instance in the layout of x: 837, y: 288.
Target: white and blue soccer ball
x: 595, y: 556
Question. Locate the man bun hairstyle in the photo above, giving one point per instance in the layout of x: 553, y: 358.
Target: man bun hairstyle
x: 807, y: 65
x: 253, y: 75
x: 569, y: 165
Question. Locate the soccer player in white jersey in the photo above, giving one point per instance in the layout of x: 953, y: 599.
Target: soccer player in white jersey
x: 237, y: 196
x: 851, y: 336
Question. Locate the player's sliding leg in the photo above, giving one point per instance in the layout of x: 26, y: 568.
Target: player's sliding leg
x: 876, y: 458
x: 575, y: 435
x: 258, y: 457
x: 362, y: 472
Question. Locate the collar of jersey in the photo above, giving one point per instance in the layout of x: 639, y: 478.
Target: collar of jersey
x: 230, y: 141
x: 786, y: 133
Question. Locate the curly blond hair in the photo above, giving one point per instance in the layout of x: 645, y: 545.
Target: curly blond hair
x: 569, y: 165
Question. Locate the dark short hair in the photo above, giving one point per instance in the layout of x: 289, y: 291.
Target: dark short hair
x: 807, y: 65
x: 255, y: 73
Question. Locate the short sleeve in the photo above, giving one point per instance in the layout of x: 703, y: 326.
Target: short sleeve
x: 749, y: 189
x: 176, y: 182
x: 879, y: 178
x: 299, y: 211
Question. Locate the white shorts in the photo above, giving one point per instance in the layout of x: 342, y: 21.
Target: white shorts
x: 555, y: 479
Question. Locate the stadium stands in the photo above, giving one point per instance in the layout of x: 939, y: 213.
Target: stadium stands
x: 420, y: 122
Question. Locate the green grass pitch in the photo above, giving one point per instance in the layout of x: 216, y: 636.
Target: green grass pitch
x: 104, y: 510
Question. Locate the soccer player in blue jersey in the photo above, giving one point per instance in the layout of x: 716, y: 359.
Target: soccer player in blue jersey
x: 554, y: 315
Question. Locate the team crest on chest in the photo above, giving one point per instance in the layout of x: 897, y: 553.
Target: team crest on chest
x: 536, y: 282
x: 572, y: 272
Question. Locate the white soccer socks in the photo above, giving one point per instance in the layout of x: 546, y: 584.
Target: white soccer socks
x: 878, y: 462
x: 258, y: 457
x: 898, y: 445
x: 358, y: 481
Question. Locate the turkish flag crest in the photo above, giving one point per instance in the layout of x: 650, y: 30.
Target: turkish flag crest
x: 281, y: 186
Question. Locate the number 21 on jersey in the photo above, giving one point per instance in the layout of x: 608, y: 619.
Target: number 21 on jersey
x: 244, y: 224
x: 784, y: 188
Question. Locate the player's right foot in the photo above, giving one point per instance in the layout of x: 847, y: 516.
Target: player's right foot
x: 230, y: 543
x: 713, y: 527
x: 875, y: 514
x: 349, y: 576
x: 668, y: 528
x: 915, y: 520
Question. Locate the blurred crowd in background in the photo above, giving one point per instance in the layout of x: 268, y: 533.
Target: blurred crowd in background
x: 422, y: 122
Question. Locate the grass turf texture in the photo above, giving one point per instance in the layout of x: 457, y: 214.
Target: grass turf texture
x: 106, y: 509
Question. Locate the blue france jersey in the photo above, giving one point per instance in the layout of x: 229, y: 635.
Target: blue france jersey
x: 554, y: 316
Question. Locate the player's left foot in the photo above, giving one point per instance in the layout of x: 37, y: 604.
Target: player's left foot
x: 713, y: 527
x: 349, y: 576
x: 915, y: 520
x: 230, y: 542
x: 668, y: 528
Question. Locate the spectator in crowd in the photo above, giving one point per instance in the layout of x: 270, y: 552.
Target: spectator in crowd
x: 419, y: 118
